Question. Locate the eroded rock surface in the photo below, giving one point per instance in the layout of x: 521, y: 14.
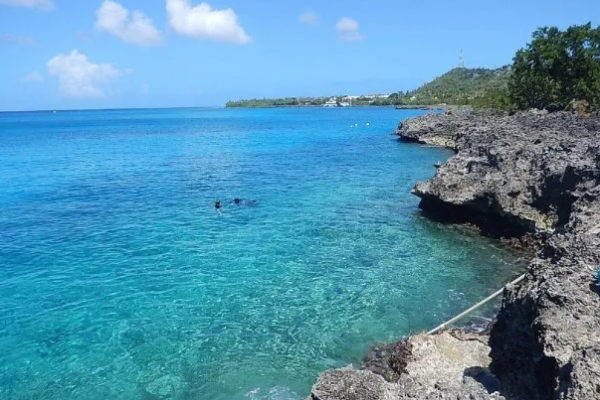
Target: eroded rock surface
x: 546, y: 342
x: 535, y: 174
x: 425, y: 367
x: 524, y: 173
x: 538, y: 173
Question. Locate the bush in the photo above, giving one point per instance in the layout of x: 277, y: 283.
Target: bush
x: 556, y: 68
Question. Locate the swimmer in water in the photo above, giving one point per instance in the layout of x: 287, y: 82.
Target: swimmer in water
x: 218, y: 206
x: 237, y: 201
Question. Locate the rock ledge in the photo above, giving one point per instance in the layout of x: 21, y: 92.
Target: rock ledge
x: 531, y: 174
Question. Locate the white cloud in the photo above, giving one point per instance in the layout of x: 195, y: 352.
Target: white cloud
x: 202, y: 22
x: 16, y: 39
x: 45, y: 5
x: 348, y: 29
x: 33, y: 77
x: 78, y: 77
x: 309, y: 18
x: 134, y: 29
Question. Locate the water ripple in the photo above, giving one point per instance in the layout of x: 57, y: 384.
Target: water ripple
x: 119, y: 281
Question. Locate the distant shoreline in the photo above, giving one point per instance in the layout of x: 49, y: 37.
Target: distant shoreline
x: 398, y: 107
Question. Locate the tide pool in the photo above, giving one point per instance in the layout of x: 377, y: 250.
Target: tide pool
x: 118, y: 280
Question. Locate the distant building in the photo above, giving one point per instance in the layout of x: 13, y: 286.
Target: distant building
x: 332, y: 102
x: 378, y: 96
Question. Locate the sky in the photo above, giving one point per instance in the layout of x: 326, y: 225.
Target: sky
x: 81, y: 54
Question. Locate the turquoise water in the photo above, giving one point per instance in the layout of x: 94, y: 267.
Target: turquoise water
x: 118, y: 280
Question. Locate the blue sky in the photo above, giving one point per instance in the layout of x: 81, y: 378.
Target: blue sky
x: 65, y: 54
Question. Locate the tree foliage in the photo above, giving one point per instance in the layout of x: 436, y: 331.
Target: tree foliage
x: 556, y: 68
x: 282, y: 102
x: 460, y: 86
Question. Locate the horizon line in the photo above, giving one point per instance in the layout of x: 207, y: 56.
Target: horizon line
x: 108, y: 109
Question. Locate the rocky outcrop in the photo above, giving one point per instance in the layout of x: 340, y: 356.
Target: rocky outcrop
x: 529, y: 174
x: 535, y: 173
x: 448, y: 365
x: 546, y: 341
x: 523, y: 173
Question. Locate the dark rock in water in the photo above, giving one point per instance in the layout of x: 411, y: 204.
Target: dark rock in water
x: 377, y: 361
x: 388, y: 360
x: 400, y: 357
x: 532, y: 178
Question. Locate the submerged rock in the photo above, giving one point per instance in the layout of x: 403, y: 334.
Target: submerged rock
x: 165, y: 387
x: 532, y: 178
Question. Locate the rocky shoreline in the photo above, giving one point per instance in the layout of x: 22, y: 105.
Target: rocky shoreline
x: 532, y: 179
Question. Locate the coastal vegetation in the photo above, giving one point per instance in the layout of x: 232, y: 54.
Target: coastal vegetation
x: 460, y: 86
x: 280, y: 102
x: 556, y: 70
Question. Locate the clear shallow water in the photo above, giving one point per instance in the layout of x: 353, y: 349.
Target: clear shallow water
x: 119, y: 281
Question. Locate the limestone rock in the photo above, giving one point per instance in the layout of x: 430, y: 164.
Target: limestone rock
x: 532, y: 173
x: 432, y: 367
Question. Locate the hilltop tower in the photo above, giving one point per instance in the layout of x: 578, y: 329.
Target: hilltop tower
x: 461, y: 59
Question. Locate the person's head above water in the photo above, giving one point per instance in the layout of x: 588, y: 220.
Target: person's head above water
x: 237, y: 200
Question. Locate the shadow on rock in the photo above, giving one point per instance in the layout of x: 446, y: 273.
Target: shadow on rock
x: 484, y: 377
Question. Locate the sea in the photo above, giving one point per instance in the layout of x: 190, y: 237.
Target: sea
x: 120, y: 280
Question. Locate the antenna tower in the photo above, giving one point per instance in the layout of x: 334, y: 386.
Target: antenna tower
x: 461, y: 59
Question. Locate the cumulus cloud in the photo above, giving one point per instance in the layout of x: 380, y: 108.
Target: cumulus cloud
x: 202, y: 22
x: 348, y: 29
x: 309, y: 18
x: 16, y: 39
x: 45, y: 5
x: 131, y: 27
x: 33, y: 77
x: 79, y: 77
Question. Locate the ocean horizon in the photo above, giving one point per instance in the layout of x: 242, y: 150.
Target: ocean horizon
x: 120, y: 280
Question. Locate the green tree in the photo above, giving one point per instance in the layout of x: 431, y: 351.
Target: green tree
x: 556, y: 68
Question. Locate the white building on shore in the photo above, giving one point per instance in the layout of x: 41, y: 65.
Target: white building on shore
x: 332, y: 102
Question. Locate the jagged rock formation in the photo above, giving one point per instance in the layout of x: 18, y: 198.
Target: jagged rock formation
x: 524, y: 172
x: 531, y: 173
x: 448, y: 365
x: 546, y: 342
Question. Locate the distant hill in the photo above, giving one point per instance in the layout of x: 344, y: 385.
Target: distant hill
x: 460, y: 86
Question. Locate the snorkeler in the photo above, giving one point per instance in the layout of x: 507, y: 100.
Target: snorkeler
x: 243, y: 202
x: 218, y: 206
